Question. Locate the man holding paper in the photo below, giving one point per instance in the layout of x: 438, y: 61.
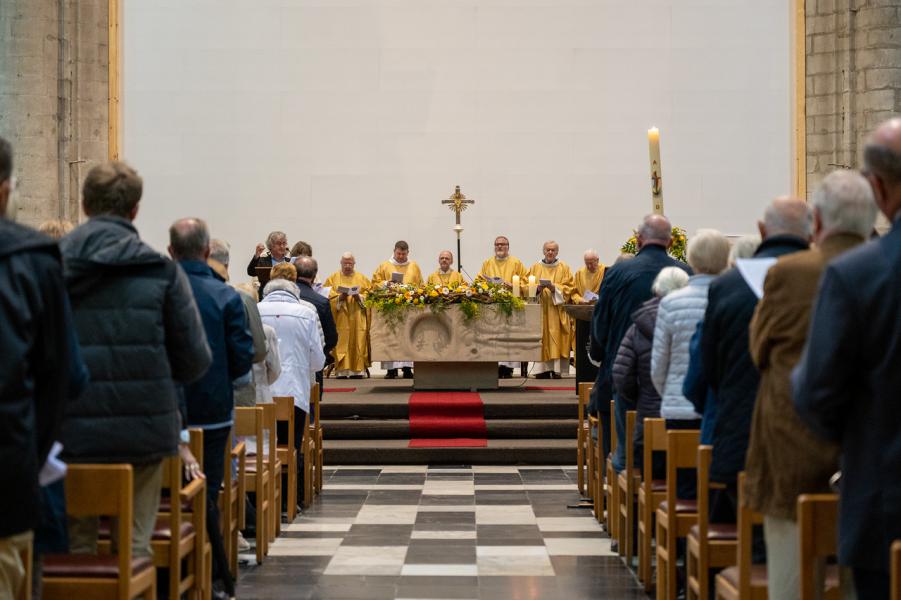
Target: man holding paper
x: 445, y: 275
x: 587, y: 280
x: 555, y: 287
x: 503, y: 268
x: 348, y: 289
x: 398, y: 269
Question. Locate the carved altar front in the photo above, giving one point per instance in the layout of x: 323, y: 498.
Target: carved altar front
x: 451, y: 352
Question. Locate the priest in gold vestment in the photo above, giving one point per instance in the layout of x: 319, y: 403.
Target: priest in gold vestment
x: 556, y: 325
x: 351, y: 318
x: 445, y: 275
x: 588, y: 278
x: 399, y: 263
x: 503, y: 266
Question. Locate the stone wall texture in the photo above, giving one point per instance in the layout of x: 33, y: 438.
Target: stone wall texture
x: 853, y: 78
x: 53, y: 99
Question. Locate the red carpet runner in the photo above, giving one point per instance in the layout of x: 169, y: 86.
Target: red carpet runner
x: 447, y: 419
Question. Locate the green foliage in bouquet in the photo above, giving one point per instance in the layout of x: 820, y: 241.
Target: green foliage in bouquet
x: 678, y: 250
x: 393, y: 300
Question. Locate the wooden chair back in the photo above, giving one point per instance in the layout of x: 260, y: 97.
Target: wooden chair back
x: 611, y: 495
x: 275, y: 470
x: 284, y: 409
x: 653, y: 440
x: 896, y: 570
x: 747, y: 520
x: 83, y: 499
x: 818, y: 540
x: 249, y: 423
x: 681, y: 453
x: 705, y: 457
x: 593, y: 459
x: 583, y: 442
x: 316, y: 437
x: 626, y: 492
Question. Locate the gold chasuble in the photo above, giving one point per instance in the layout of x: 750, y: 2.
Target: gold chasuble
x: 450, y: 279
x: 586, y: 281
x: 352, y: 321
x: 410, y: 270
x: 505, y: 268
x: 556, y: 326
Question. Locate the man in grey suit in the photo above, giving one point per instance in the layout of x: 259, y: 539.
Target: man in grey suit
x: 847, y: 387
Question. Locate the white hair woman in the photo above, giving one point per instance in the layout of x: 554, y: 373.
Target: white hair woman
x: 677, y: 319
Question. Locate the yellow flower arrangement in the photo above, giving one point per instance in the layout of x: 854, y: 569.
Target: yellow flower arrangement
x: 393, y: 299
x: 677, y: 250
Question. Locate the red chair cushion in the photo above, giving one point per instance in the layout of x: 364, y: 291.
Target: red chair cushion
x: 758, y: 576
x: 163, y: 529
x: 682, y: 506
x: 89, y: 565
x: 717, y: 531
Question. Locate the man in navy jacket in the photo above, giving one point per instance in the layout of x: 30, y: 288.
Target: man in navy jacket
x: 624, y: 288
x: 210, y: 400
x: 847, y: 386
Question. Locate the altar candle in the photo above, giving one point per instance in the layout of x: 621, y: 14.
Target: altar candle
x: 533, y: 286
x: 516, y: 290
x: 656, y: 171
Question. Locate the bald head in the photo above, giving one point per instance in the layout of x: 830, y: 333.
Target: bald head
x: 189, y: 239
x: 306, y: 268
x: 655, y: 230
x: 882, y: 162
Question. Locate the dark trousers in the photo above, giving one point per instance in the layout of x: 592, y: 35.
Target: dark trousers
x: 214, y: 442
x: 870, y: 584
x: 686, y: 479
x: 282, y: 436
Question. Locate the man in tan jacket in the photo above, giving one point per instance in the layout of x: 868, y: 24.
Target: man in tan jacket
x: 784, y: 457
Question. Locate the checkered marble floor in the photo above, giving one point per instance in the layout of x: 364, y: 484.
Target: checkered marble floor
x: 404, y: 532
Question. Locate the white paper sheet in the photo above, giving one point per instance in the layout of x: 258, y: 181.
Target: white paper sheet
x: 754, y: 271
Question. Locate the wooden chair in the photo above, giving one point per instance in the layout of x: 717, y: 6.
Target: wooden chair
x: 611, y: 498
x: 308, y: 449
x: 583, y: 444
x: 180, y: 525
x: 628, y: 481
x: 231, y: 501
x: 896, y: 570
x: 100, y: 490
x: 287, y: 453
x: 675, y: 516
x: 275, y: 469
x: 818, y: 542
x: 651, y: 493
x: 709, y: 545
x: 319, y: 453
x: 593, y: 472
x: 744, y: 581
x: 249, y: 422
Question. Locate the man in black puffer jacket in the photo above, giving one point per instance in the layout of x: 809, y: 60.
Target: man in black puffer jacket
x: 141, y: 335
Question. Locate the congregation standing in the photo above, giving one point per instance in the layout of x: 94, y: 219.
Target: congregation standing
x: 114, y: 350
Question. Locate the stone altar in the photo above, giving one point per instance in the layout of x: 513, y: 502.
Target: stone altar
x: 450, y: 352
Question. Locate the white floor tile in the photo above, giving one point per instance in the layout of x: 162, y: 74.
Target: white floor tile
x: 578, y: 546
x: 505, y: 515
x: 568, y: 524
x: 318, y: 527
x: 440, y: 570
x: 443, y: 535
x: 373, y: 514
x: 305, y: 546
x: 367, y: 560
x: 513, y: 560
x: 446, y: 508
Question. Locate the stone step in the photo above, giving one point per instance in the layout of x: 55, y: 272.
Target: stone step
x: 348, y: 429
x: 336, y: 409
x: 498, y: 452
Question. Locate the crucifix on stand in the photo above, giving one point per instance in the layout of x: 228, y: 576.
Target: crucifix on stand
x: 458, y: 203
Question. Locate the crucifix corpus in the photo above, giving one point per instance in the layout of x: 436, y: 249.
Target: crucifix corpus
x: 458, y: 203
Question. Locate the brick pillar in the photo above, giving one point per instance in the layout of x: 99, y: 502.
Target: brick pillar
x: 53, y: 99
x: 853, y: 78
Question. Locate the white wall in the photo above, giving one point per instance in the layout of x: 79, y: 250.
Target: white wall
x: 345, y: 122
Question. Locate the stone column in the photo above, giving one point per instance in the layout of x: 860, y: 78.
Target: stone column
x: 53, y: 99
x: 853, y: 78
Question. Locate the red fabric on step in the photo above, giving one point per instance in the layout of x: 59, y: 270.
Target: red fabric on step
x: 452, y: 419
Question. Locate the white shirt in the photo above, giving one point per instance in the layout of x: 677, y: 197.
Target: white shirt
x: 299, y: 344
